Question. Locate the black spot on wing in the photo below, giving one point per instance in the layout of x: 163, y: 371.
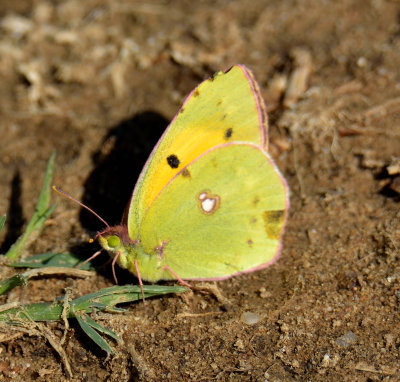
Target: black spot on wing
x: 228, y: 133
x: 196, y: 93
x: 173, y: 161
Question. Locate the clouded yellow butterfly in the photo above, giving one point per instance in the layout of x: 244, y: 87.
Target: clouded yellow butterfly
x: 209, y: 203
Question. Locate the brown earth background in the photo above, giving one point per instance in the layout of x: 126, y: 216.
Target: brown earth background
x: 99, y: 80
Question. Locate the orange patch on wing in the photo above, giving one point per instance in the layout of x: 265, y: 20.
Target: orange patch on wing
x: 273, y: 222
x: 197, y: 130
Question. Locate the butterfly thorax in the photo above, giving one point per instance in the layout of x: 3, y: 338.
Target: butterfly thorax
x: 117, y: 242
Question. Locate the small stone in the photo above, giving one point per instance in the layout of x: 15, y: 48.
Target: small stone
x: 362, y: 62
x: 264, y: 293
x: 325, y: 360
x: 329, y: 361
x: 250, y: 318
x: 389, y: 339
x: 214, y: 366
x: 394, y: 166
x: 239, y: 344
x: 295, y: 363
x: 336, y: 323
x: 347, y: 339
x: 284, y: 327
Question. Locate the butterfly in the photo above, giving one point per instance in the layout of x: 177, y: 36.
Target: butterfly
x: 209, y: 203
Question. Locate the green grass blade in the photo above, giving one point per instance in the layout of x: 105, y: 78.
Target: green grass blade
x: 39, y: 311
x: 23, y: 278
x: 45, y: 194
x: 101, y: 329
x: 36, y: 259
x: 2, y: 221
x: 104, y: 299
x: 93, y: 335
x: 51, y: 259
x: 120, y: 294
x: 12, y: 282
x: 42, y: 211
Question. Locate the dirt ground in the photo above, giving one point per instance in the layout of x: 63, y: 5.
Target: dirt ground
x: 99, y: 81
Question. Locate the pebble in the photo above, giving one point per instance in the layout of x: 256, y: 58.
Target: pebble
x: 250, y: 318
x: 347, y: 339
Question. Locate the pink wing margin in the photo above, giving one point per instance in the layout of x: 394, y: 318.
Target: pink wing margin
x: 261, y: 110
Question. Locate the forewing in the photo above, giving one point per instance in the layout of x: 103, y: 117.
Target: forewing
x: 225, y: 108
x: 223, y: 214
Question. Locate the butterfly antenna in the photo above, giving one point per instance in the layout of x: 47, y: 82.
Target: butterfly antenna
x: 80, y: 203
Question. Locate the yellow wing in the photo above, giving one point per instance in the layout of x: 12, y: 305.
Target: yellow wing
x: 226, y: 218
x: 225, y: 108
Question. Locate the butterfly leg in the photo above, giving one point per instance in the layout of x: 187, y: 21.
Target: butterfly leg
x: 90, y: 258
x: 176, y: 276
x: 140, y: 279
x: 113, y: 266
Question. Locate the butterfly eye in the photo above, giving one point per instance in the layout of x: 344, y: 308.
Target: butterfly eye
x: 113, y: 241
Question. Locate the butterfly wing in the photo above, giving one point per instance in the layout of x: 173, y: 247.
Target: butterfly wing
x: 225, y: 108
x: 221, y: 215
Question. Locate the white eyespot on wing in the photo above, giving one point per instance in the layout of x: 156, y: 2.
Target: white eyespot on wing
x: 208, y: 202
x: 208, y: 205
x: 203, y: 195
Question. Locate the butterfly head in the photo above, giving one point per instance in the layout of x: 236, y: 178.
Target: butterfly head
x: 114, y: 239
x: 110, y: 242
